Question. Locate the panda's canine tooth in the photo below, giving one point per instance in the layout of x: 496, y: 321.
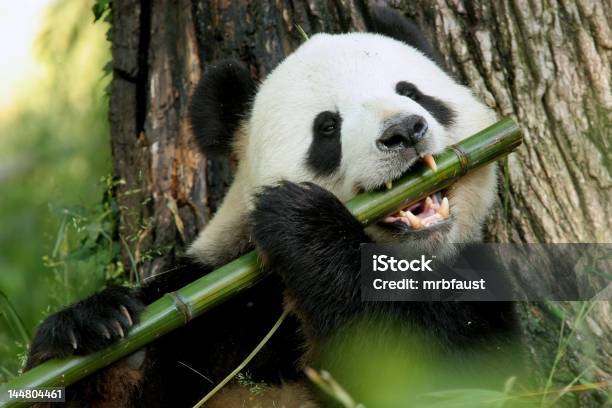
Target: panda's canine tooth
x: 444, y: 208
x: 430, y: 162
x: 388, y: 184
x: 415, y: 221
x: 428, y: 203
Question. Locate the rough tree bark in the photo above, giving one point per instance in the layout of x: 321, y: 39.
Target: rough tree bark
x: 547, y: 64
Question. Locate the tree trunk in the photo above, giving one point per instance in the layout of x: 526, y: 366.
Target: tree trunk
x: 547, y: 65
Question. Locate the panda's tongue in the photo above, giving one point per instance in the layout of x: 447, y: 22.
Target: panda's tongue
x: 423, y: 214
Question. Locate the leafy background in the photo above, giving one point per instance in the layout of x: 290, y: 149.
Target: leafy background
x: 54, y: 166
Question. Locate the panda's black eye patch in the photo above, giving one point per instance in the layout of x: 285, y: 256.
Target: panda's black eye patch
x: 438, y: 109
x: 325, y: 151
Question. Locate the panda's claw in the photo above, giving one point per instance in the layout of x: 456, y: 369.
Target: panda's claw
x: 104, y: 331
x: 73, y: 340
x: 86, y: 326
x: 126, y: 313
x: 118, y: 329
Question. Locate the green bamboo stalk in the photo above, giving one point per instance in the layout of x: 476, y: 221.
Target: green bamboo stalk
x: 176, y: 309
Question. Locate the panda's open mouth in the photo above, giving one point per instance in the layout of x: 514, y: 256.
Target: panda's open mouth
x: 430, y: 211
x: 427, y: 213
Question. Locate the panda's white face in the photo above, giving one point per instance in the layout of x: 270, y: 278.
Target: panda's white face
x: 352, y: 112
x: 322, y: 113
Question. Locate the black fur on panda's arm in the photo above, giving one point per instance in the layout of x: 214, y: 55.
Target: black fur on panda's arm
x: 105, y: 317
x: 309, y: 237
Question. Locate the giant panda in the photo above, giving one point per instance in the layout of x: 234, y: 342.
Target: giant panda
x: 342, y: 114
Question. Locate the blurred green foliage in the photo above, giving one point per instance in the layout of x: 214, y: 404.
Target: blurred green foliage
x: 407, y: 367
x: 55, y: 227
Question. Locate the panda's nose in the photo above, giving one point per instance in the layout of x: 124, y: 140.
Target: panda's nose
x: 404, y: 134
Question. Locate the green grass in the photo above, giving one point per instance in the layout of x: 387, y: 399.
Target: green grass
x: 565, y: 341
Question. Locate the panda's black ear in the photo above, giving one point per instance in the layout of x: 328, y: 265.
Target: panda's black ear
x: 219, y: 102
x: 391, y: 23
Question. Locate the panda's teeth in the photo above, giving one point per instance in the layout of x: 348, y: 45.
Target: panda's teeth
x: 389, y: 184
x: 430, y: 162
x: 444, y: 210
x: 428, y: 204
x: 415, y: 221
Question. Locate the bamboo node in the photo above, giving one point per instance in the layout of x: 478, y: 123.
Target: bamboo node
x: 181, y: 306
x: 464, y: 160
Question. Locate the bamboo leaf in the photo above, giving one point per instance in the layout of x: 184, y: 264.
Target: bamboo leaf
x: 12, y: 319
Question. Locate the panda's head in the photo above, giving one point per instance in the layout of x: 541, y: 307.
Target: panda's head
x: 350, y: 112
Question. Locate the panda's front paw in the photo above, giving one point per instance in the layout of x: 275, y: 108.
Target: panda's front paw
x: 290, y: 219
x: 86, y: 326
